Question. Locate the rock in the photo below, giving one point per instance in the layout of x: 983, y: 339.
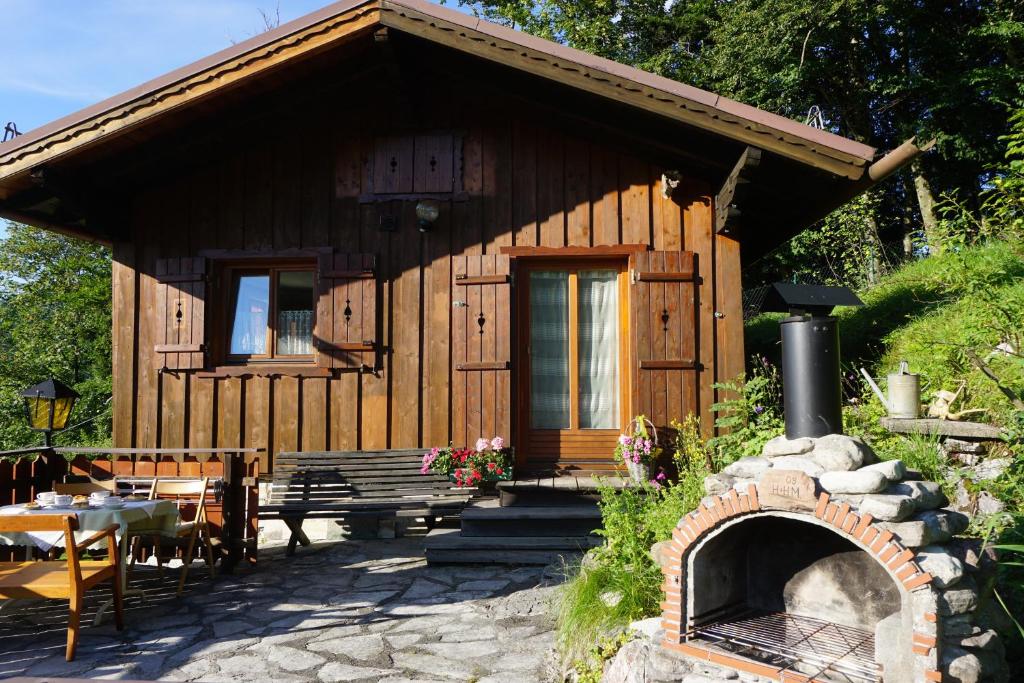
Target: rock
x: 838, y: 453
x: 659, y: 552
x: 649, y: 628
x: 334, y: 672
x: 894, y: 470
x: 611, y: 598
x: 926, y: 528
x: 743, y: 485
x: 780, y: 445
x: 887, y: 508
x: 946, y: 570
x: 927, y: 495
x: 960, y: 599
x: 985, y: 640
x: 858, y: 481
x: 796, y: 462
x: 717, y: 484
x: 630, y: 663
x: 748, y: 468
x: 959, y: 625
x: 960, y: 665
x: 950, y: 445
x: 989, y: 504
x: 991, y: 468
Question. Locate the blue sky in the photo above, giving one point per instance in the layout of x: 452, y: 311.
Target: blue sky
x: 58, y: 56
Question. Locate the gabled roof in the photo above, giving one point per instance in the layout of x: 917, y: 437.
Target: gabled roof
x: 336, y: 24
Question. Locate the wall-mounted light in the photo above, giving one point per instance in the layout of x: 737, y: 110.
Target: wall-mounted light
x: 427, y: 211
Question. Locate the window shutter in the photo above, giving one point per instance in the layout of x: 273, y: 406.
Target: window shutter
x: 664, y: 331
x: 181, y: 313
x: 482, y: 349
x: 345, y: 330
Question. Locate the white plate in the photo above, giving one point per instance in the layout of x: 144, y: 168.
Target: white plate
x: 110, y: 507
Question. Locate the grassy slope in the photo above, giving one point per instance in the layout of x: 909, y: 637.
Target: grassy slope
x: 928, y: 313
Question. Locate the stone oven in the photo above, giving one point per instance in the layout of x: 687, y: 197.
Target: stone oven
x: 814, y: 563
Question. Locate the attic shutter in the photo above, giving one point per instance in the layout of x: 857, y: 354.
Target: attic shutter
x: 481, y: 347
x: 663, y: 343
x: 181, y: 313
x: 345, y: 330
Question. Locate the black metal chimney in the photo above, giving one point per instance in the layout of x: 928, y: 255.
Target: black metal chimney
x: 811, y: 376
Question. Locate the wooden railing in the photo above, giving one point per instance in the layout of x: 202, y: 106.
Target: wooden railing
x: 26, y: 472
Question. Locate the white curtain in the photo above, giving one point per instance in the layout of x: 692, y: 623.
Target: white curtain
x: 549, y: 349
x: 599, y: 349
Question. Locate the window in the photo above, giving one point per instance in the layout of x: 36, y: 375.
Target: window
x: 574, y: 349
x: 271, y: 313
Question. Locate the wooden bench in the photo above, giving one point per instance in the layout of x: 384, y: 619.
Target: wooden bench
x: 65, y: 579
x: 343, y: 485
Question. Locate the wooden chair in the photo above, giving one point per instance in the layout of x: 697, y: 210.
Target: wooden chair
x: 195, y: 490
x: 62, y: 579
x: 85, y: 488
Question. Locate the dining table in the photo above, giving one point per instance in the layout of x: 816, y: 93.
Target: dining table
x: 157, y: 517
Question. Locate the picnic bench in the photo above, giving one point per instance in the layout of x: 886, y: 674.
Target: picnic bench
x: 348, y: 484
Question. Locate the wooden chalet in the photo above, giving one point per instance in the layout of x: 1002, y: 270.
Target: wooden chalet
x: 280, y: 280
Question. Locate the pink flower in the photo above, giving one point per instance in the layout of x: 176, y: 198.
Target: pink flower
x: 482, y: 444
x: 625, y: 440
x: 497, y: 443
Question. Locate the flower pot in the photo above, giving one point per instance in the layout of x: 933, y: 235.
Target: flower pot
x: 640, y: 472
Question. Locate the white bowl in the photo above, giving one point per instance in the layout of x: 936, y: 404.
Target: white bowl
x: 99, y: 495
x: 63, y: 500
x: 113, y: 501
x: 45, y: 498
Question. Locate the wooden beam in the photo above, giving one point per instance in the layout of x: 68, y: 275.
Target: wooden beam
x: 601, y: 250
x: 729, y: 197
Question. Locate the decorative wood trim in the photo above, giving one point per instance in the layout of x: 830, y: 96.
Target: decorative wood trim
x: 604, y: 250
x: 471, y: 367
x: 184, y: 277
x: 366, y: 346
x: 680, y: 364
x: 679, y: 276
x: 728, y: 199
x: 264, y: 370
x: 179, y: 348
x: 466, y: 280
x: 259, y: 254
x: 373, y: 197
x: 348, y: 274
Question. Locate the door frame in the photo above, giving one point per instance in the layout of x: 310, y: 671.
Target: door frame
x: 521, y: 321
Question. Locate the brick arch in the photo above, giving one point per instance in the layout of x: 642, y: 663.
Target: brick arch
x: 860, y: 529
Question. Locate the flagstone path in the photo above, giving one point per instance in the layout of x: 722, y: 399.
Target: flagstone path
x: 350, y: 611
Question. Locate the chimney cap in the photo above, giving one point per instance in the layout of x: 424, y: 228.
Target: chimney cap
x: 816, y: 300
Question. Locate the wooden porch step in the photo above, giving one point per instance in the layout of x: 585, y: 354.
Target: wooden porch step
x: 554, y: 491
x: 448, y: 546
x: 488, y: 518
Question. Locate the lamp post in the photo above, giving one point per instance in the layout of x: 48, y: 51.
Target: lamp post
x: 48, y: 407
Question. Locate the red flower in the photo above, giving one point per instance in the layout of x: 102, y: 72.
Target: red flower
x: 491, y: 466
x: 499, y: 471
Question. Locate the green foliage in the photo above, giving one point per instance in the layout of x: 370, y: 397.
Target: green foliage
x: 749, y: 415
x: 590, y: 669
x: 55, y: 319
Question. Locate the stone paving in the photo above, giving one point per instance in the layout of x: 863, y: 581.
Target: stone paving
x: 349, y: 611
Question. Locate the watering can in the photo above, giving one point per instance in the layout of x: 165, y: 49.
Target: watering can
x: 904, y: 400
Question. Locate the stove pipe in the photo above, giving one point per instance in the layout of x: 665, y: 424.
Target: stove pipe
x: 811, y: 388
x: 811, y: 375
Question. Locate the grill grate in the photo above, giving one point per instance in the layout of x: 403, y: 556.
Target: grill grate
x: 814, y: 647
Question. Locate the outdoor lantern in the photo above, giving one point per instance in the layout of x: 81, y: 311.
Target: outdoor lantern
x: 427, y: 212
x: 48, y: 406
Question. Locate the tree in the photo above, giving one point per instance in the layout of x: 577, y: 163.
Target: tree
x: 55, y: 320
x: 881, y: 71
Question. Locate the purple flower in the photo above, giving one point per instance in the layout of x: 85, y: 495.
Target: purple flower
x: 625, y: 440
x: 758, y: 410
x: 661, y: 476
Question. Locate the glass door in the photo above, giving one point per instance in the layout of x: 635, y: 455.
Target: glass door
x: 575, y: 350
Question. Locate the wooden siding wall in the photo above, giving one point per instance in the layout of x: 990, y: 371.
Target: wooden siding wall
x: 527, y: 185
